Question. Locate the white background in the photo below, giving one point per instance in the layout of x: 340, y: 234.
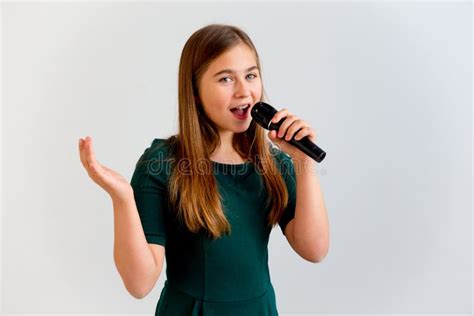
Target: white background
x: 386, y: 85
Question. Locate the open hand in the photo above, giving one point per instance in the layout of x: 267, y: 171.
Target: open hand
x: 113, y: 183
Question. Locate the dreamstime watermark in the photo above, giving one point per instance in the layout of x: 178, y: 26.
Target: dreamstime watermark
x: 203, y: 166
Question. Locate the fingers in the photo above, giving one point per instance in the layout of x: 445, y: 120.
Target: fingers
x: 82, y: 154
x: 283, y: 113
x: 88, y: 156
x: 83, y: 147
x: 280, y: 114
x: 273, y: 135
x: 292, y: 126
x: 305, y: 131
x: 297, y: 127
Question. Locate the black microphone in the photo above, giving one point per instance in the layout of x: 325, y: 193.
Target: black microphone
x: 263, y: 113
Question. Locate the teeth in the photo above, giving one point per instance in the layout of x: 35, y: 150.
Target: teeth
x: 241, y: 107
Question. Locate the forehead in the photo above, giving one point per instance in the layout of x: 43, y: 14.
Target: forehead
x: 237, y: 58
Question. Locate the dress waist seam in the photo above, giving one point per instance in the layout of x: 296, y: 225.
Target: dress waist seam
x: 177, y: 288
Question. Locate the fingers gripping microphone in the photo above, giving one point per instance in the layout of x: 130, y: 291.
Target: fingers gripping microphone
x: 263, y: 113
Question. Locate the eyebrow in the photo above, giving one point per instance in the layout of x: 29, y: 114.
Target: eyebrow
x: 232, y: 71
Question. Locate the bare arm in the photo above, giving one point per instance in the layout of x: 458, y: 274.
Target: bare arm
x: 138, y: 263
x: 308, y: 232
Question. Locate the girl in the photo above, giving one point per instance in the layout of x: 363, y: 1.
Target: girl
x: 208, y: 197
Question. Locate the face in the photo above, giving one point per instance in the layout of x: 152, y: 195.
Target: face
x: 231, y: 80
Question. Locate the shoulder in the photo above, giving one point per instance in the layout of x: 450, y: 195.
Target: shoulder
x: 161, y: 150
x: 155, y: 162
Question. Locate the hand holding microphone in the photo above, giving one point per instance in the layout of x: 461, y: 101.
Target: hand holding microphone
x: 290, y: 128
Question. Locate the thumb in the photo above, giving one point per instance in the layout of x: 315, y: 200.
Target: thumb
x: 273, y: 136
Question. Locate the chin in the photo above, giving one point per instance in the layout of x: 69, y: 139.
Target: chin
x: 242, y: 128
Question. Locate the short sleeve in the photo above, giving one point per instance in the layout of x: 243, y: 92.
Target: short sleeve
x: 149, y: 183
x: 287, y: 170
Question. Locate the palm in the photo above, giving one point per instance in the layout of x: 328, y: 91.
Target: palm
x: 111, y: 181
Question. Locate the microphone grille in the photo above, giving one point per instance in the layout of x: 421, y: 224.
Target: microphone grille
x: 263, y: 113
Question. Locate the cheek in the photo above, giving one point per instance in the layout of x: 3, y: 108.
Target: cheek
x: 215, y: 109
x: 221, y: 101
x: 257, y: 90
x: 211, y: 101
x: 219, y: 94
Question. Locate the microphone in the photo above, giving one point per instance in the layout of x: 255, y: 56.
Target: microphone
x: 263, y: 113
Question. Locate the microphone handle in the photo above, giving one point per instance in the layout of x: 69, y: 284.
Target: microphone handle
x: 304, y: 144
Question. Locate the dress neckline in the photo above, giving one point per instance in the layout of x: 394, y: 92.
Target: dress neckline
x: 231, y: 164
x: 236, y: 170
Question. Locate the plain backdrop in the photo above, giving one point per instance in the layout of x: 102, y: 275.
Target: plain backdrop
x: 387, y: 86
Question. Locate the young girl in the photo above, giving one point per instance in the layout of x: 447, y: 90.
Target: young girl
x: 208, y: 197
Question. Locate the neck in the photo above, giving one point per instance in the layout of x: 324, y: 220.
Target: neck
x: 226, y: 141
x: 226, y: 152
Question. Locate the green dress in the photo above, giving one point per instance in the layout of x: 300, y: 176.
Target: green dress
x: 227, y: 276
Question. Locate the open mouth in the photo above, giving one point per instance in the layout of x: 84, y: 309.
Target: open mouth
x: 241, y: 112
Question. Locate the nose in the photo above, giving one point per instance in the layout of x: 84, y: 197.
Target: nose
x: 242, y: 89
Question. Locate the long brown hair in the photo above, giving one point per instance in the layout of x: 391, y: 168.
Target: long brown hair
x: 195, y: 195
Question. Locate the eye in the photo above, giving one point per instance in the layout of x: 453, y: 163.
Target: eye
x: 223, y: 78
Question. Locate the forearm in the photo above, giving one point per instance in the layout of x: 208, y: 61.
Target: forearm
x: 311, y: 225
x: 132, y: 254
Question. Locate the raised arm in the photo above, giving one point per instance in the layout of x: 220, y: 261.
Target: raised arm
x: 138, y: 263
